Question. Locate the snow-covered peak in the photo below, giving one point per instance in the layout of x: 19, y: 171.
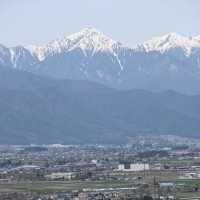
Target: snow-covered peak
x: 197, y: 38
x: 89, y: 32
x: 88, y: 40
x: 170, y: 41
x: 91, y: 41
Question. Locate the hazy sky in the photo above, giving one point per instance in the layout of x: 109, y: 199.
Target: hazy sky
x: 129, y: 21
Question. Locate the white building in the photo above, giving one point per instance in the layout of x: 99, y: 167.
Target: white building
x: 65, y: 176
x: 134, y: 167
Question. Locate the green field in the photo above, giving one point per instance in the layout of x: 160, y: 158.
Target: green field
x: 58, y: 186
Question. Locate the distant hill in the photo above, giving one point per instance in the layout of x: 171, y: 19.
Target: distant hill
x: 40, y: 110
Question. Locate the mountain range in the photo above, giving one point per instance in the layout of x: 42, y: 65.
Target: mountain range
x: 87, y: 88
x: 169, y: 62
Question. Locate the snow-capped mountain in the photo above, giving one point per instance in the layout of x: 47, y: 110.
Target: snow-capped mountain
x: 197, y: 38
x: 171, y: 61
x: 88, y: 54
x: 171, y: 41
x: 89, y: 40
x: 21, y: 57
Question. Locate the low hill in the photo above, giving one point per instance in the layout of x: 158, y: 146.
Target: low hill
x: 41, y: 110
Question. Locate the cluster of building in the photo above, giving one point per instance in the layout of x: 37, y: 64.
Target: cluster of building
x: 137, y: 171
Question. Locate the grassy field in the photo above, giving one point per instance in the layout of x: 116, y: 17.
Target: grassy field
x: 188, y: 183
x: 56, y: 186
x: 189, y: 196
x: 64, y: 186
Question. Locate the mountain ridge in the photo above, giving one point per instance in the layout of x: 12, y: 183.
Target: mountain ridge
x: 104, y: 41
x: 89, y: 38
x: 42, y: 110
x: 168, y: 62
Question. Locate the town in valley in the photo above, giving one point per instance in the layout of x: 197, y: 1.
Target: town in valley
x: 149, y: 167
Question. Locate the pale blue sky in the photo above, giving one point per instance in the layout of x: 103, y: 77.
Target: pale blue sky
x: 129, y: 21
